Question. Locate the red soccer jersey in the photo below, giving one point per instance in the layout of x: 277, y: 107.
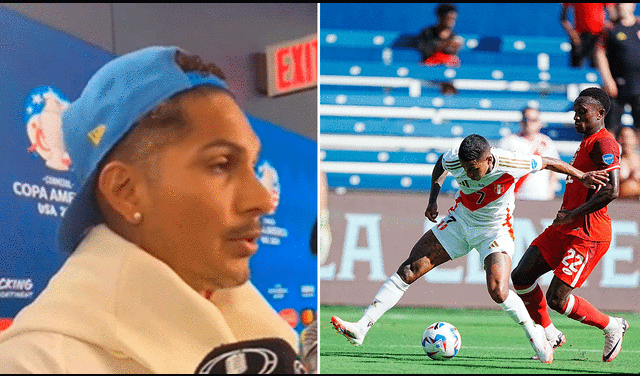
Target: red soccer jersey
x: 600, y: 151
x: 588, y: 17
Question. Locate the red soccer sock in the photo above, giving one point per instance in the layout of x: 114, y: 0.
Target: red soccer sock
x: 536, y: 303
x: 581, y: 310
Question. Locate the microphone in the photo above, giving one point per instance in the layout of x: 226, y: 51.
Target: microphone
x: 259, y: 356
x: 309, y: 347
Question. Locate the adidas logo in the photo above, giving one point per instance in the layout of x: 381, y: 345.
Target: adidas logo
x: 95, y: 136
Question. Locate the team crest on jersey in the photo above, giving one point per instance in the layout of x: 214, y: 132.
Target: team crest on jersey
x: 498, y: 188
x: 43, y: 117
x: 534, y: 164
x: 268, y: 176
x: 607, y: 158
x: 621, y: 36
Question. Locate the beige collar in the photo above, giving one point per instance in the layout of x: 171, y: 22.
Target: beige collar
x: 113, y: 294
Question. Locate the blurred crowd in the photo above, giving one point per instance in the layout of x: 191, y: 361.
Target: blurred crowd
x: 607, y: 35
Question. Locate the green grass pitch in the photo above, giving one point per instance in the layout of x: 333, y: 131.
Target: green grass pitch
x: 491, y: 343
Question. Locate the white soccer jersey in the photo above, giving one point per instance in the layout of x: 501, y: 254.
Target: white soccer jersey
x: 538, y: 186
x: 489, y: 202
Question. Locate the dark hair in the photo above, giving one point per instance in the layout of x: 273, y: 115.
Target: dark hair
x: 165, y: 123
x: 473, y: 147
x: 443, y: 9
x: 599, y: 95
x: 527, y: 108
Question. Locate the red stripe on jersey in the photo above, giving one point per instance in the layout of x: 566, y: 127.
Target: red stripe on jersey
x: 480, y: 198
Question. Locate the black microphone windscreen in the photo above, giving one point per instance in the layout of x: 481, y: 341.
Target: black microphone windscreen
x: 259, y: 356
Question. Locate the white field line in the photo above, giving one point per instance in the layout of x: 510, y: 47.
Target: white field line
x: 562, y: 349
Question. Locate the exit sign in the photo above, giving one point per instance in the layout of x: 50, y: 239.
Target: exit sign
x: 292, y: 65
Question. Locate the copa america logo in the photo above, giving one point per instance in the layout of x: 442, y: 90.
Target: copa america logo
x: 268, y: 176
x: 43, y: 117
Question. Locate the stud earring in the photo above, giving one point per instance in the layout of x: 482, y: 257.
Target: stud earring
x: 137, y: 217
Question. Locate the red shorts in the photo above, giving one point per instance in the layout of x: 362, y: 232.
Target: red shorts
x: 571, y: 258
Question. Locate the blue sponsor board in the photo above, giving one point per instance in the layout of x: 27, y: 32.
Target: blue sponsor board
x: 41, y: 70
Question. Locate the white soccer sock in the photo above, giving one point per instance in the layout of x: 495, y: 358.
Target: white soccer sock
x: 551, y: 332
x: 515, y: 308
x: 387, y: 297
x: 612, y: 325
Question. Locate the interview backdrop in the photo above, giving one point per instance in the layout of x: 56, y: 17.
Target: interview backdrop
x: 41, y: 71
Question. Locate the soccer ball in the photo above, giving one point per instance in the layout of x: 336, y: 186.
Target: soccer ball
x: 441, y: 341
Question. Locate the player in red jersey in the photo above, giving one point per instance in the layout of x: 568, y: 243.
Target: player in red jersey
x: 579, y: 235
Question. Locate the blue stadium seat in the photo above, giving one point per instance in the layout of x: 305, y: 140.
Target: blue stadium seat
x: 428, y: 157
x: 485, y: 60
x: 387, y: 182
x: 413, y: 128
x: 555, y: 75
x: 357, y: 38
x: 537, y: 44
x: 430, y: 100
x: 351, y: 53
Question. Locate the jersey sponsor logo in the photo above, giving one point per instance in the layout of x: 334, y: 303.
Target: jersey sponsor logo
x: 43, y: 116
x: 607, y: 158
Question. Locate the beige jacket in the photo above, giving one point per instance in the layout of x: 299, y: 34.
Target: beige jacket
x: 113, y: 308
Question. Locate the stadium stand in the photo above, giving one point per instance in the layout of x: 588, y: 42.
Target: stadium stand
x: 384, y: 122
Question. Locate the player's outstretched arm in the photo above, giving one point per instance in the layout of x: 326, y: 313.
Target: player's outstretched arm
x: 591, y: 179
x: 437, y: 179
x: 599, y: 200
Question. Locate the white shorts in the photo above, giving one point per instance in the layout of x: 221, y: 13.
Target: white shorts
x: 458, y: 239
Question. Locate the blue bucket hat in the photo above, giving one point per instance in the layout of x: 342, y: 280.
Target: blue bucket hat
x: 119, y: 95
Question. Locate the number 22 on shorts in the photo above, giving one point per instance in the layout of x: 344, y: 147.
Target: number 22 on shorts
x: 571, y: 261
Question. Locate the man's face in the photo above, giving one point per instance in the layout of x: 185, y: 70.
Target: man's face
x: 478, y: 168
x: 626, y: 9
x: 531, y: 123
x: 628, y: 139
x: 202, y: 213
x: 449, y: 19
x: 588, y: 115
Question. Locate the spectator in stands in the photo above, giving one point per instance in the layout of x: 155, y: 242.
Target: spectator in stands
x: 629, y: 163
x: 618, y: 61
x: 589, y: 19
x: 438, y: 43
x: 543, y: 184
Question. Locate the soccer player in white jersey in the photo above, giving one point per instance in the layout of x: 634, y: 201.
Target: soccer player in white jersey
x: 481, y: 218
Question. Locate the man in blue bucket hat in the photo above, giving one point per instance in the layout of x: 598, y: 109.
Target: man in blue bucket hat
x: 160, y: 233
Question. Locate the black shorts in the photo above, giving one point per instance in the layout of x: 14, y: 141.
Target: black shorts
x: 585, y: 50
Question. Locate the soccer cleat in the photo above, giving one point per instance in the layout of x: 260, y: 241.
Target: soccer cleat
x: 541, y: 345
x: 555, y: 343
x: 348, y: 329
x: 613, y: 340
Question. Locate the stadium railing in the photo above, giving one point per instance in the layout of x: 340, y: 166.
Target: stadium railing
x: 383, y: 119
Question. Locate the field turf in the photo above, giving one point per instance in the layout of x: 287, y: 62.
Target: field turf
x: 491, y: 343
